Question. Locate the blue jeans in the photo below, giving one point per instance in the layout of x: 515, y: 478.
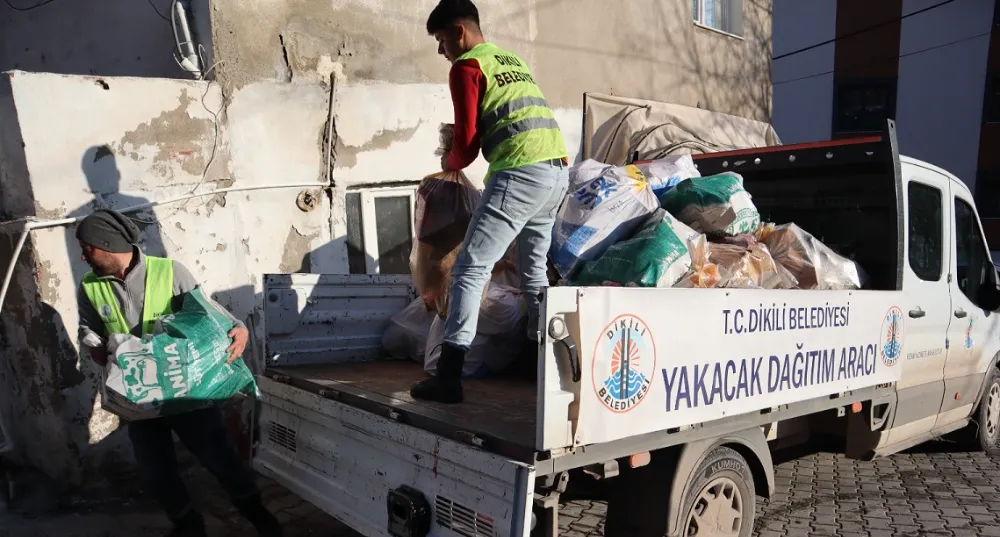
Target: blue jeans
x: 518, y: 204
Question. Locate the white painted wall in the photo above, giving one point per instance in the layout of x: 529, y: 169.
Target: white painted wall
x: 160, y: 136
x: 942, y: 74
x: 803, y: 109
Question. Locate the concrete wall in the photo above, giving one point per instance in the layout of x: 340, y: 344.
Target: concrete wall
x: 638, y: 48
x: 95, y: 37
x: 123, y: 142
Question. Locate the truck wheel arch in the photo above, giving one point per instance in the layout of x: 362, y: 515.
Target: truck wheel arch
x: 749, y: 443
x: 982, y: 389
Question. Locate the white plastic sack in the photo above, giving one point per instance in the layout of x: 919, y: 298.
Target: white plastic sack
x: 664, y: 174
x: 500, y: 335
x: 406, y: 336
x: 604, y: 205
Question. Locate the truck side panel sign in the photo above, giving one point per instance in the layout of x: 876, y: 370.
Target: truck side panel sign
x: 665, y: 358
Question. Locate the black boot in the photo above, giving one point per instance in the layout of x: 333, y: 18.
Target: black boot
x: 446, y: 387
x: 189, y: 525
x: 262, y: 519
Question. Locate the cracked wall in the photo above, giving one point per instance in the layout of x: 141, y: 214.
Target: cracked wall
x: 648, y: 49
x: 121, y: 142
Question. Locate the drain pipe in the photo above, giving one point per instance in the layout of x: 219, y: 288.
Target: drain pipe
x: 187, y: 52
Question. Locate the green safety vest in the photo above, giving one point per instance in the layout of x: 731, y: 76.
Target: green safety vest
x: 516, y: 125
x: 157, y: 302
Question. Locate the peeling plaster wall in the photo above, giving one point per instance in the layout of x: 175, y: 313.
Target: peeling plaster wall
x: 123, y: 142
x: 637, y: 48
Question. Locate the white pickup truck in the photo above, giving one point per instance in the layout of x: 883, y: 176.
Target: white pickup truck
x: 671, y: 400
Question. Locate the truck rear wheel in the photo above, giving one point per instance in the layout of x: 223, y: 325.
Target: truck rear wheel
x: 720, y: 500
x: 988, y: 415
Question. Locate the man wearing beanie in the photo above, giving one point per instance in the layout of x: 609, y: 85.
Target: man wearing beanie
x: 124, y: 293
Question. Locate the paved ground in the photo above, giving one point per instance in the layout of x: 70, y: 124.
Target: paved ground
x: 936, y: 491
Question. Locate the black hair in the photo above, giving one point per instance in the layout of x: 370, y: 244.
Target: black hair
x: 450, y: 12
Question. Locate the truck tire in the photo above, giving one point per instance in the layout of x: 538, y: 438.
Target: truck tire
x: 988, y: 415
x: 720, y: 499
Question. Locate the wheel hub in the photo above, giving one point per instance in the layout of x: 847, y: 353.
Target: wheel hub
x: 718, y: 511
x: 993, y: 410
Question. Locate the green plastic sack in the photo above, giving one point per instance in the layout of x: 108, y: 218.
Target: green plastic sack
x: 717, y: 205
x: 657, y: 256
x: 181, y: 367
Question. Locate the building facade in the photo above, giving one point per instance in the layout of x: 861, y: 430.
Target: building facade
x: 317, y: 122
x: 841, y: 67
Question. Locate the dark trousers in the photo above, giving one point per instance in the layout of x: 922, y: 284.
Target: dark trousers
x: 204, y: 434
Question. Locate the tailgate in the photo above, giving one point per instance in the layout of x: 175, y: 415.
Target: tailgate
x: 352, y: 463
x: 662, y: 359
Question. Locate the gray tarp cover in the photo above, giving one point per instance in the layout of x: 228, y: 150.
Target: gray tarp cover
x: 616, y: 127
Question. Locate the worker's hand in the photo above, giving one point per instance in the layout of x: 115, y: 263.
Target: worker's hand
x: 240, y: 336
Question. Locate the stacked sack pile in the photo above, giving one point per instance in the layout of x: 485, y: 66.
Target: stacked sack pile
x: 445, y: 203
x: 661, y: 224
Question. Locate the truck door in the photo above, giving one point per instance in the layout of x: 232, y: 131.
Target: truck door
x: 973, y: 334
x: 927, y: 308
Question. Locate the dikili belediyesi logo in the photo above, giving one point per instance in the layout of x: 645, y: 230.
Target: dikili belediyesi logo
x: 891, y: 347
x: 623, y: 364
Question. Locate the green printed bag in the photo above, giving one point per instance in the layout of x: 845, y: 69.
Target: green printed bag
x: 179, y: 368
x: 658, y: 256
x: 717, y: 205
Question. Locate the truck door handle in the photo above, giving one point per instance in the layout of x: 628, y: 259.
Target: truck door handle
x: 558, y: 331
x: 960, y: 313
x: 917, y: 313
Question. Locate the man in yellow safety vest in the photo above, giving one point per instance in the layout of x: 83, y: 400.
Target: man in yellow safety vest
x: 124, y: 294
x: 500, y: 110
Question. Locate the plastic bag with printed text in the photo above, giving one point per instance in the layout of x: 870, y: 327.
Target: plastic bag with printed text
x: 180, y: 367
x: 604, y: 204
x: 665, y: 173
x: 716, y: 205
x: 659, y: 255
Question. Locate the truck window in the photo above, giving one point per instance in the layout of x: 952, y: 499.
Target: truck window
x: 973, y: 268
x: 925, y: 231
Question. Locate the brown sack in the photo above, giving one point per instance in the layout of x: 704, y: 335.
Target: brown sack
x: 813, y: 264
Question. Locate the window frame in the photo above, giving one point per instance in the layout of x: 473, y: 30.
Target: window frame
x: 978, y: 239
x: 891, y: 88
x: 734, y: 16
x: 369, y: 218
x: 942, y: 196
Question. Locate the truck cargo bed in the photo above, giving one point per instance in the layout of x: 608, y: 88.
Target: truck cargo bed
x: 500, y: 411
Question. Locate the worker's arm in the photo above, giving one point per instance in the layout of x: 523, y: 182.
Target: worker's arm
x: 184, y: 283
x: 91, y: 330
x: 468, y: 85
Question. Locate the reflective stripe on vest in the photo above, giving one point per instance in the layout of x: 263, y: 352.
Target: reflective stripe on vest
x: 158, y: 295
x: 516, y: 125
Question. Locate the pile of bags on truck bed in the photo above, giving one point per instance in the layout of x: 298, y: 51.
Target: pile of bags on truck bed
x: 444, y: 207
x: 661, y: 224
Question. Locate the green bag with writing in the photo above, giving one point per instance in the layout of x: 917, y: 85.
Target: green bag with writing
x: 179, y: 368
x: 717, y: 205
